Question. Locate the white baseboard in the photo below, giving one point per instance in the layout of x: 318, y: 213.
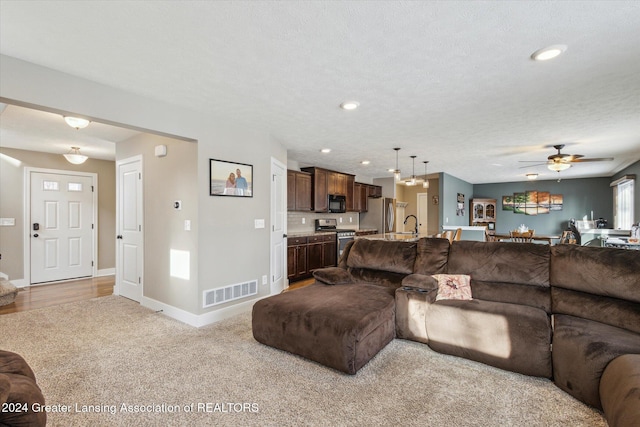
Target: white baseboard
x: 20, y: 283
x: 106, y: 272
x: 201, y: 320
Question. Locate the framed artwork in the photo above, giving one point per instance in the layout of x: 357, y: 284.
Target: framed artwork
x: 507, y: 203
x: 544, y: 200
x: 556, y: 201
x: 230, y: 179
x: 531, y: 203
x: 460, y: 205
x: 435, y: 199
x: 519, y: 201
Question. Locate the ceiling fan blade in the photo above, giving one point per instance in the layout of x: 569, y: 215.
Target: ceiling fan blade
x: 530, y: 166
x: 595, y: 159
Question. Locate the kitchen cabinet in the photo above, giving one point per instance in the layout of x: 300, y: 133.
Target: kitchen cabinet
x: 483, y: 213
x: 297, y: 266
x: 350, y: 193
x: 305, y: 254
x: 325, y: 182
x: 298, y: 191
x: 337, y: 183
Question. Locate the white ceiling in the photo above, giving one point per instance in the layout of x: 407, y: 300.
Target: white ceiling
x: 451, y: 82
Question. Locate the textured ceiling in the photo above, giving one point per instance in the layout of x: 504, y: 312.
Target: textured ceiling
x: 450, y: 82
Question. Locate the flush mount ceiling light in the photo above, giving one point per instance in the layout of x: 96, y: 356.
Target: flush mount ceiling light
x: 325, y: 150
x: 548, y: 52
x: 396, y: 171
x: 365, y: 162
x: 75, y: 157
x: 532, y: 176
x: 425, y: 184
x: 349, y: 105
x: 558, y: 166
x: 77, y: 122
x: 412, y: 181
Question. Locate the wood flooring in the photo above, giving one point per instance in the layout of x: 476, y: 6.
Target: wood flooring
x: 60, y: 293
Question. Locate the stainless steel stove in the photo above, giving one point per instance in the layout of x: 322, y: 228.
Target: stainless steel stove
x: 343, y: 236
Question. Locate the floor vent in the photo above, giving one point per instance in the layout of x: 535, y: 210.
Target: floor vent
x: 229, y: 293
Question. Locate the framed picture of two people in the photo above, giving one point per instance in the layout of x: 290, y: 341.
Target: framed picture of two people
x: 230, y: 178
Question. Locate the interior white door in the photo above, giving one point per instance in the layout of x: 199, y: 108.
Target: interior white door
x: 423, y: 209
x: 61, y: 217
x: 130, y: 239
x: 278, y: 226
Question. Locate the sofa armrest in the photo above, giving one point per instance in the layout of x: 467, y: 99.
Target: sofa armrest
x: 333, y: 276
x: 420, y: 281
x: 620, y: 391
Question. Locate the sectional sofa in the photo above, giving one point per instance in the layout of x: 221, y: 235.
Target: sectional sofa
x: 566, y: 312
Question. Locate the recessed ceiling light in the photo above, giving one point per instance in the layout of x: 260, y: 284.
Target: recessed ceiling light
x: 532, y: 176
x: 325, y: 150
x: 349, y: 105
x: 365, y: 162
x: 549, y: 52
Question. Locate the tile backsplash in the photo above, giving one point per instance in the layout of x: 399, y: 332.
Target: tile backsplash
x: 350, y: 220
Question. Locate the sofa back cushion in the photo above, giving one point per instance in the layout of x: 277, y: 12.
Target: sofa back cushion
x: 607, y: 272
x: 601, y: 284
x: 382, y: 255
x: 501, y: 262
x: 432, y: 256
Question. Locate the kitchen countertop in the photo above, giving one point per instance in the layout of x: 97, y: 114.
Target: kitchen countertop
x: 395, y: 236
x: 309, y: 233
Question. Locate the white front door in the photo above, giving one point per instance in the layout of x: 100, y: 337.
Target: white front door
x: 129, y: 243
x: 423, y: 207
x: 278, y: 225
x: 61, y: 224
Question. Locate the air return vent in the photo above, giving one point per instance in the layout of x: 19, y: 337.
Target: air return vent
x: 229, y: 293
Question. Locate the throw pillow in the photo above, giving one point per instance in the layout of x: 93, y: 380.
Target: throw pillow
x: 333, y: 276
x: 453, y: 286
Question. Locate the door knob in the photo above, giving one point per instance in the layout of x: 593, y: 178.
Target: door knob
x: 35, y: 235
x: 119, y: 236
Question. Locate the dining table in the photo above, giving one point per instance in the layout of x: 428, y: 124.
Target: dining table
x: 549, y: 238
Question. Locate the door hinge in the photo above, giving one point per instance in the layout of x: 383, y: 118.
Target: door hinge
x: 139, y: 175
x: 91, y: 263
x: 139, y: 280
x: 92, y: 188
x: 92, y: 226
x: 139, y: 228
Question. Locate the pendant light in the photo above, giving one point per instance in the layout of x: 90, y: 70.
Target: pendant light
x: 425, y: 184
x: 396, y: 172
x: 412, y: 181
x: 75, y: 157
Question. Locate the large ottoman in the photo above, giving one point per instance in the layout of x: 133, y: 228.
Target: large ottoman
x: 340, y: 326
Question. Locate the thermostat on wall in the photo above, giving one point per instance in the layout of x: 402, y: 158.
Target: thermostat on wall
x: 161, y: 150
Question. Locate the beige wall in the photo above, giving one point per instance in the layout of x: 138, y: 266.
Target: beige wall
x: 410, y: 195
x: 12, y: 165
x: 167, y: 179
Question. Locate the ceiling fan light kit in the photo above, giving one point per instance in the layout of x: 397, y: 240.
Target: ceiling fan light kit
x: 558, y: 166
x: 560, y: 161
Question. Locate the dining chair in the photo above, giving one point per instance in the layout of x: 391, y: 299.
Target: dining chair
x: 458, y: 234
x: 448, y: 234
x: 489, y: 237
x: 568, y: 238
x: 521, y: 237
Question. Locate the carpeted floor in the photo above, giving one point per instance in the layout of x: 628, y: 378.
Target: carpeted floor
x: 110, y: 354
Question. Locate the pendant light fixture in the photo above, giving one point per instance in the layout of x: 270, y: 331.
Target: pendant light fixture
x: 75, y: 157
x: 412, y: 181
x: 425, y: 183
x: 396, y: 172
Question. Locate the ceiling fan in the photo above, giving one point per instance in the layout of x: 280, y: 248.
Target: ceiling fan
x: 560, y: 161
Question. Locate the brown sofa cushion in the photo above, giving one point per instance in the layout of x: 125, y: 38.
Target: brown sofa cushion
x: 596, y: 271
x: 620, y: 391
x: 333, y: 276
x: 420, y: 281
x: 612, y: 311
x: 341, y: 327
x: 582, y: 349
x: 432, y: 256
x: 383, y: 255
x: 533, y: 296
x: 505, y: 262
x: 18, y: 385
x: 507, y: 336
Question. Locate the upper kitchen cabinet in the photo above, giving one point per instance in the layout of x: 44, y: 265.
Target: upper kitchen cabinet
x: 350, y: 193
x: 325, y: 182
x: 298, y: 191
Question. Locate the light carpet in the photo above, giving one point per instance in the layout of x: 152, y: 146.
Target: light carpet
x: 112, y: 354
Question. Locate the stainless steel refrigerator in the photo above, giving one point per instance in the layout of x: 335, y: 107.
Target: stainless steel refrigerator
x: 381, y: 215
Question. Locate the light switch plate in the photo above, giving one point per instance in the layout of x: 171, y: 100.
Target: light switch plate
x: 7, y: 222
x: 187, y: 225
x: 259, y: 223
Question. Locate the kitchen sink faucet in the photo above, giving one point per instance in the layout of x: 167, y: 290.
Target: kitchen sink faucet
x: 415, y: 231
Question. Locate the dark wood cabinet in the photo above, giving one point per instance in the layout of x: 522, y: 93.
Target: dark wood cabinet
x: 350, y: 194
x: 337, y: 183
x: 298, y: 191
x: 305, y: 254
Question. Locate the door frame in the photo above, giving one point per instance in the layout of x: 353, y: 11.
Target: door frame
x: 420, y: 214
x: 116, y: 286
x: 27, y: 218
